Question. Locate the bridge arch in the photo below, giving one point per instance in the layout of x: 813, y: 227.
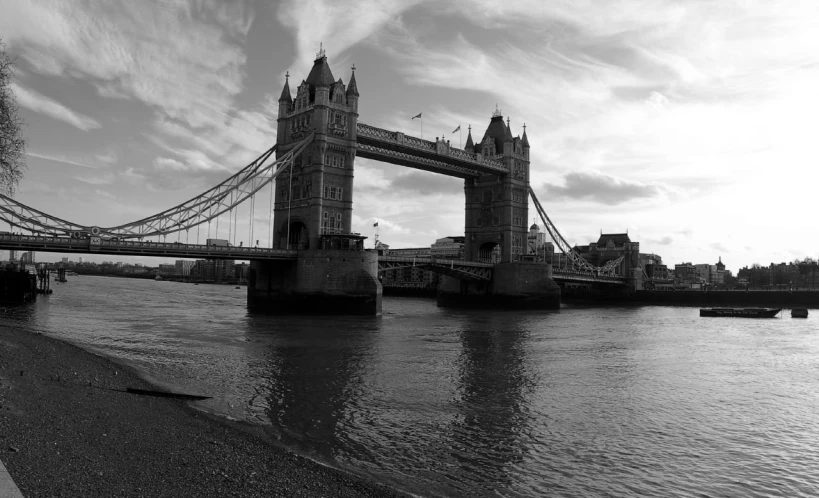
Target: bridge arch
x: 297, y: 235
x: 490, y: 252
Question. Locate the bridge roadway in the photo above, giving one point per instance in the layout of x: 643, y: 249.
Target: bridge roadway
x: 561, y: 275
x: 468, y: 270
x: 465, y: 270
x: 140, y: 248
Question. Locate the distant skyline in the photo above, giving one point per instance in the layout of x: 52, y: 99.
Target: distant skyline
x: 688, y: 124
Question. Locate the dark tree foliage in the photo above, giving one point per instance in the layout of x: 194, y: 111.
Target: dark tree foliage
x: 12, y: 143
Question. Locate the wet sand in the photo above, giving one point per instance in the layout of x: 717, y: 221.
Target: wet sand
x: 68, y: 428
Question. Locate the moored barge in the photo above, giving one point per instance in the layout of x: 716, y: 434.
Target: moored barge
x: 741, y: 312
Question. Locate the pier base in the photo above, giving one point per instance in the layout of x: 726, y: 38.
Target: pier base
x: 522, y: 286
x: 17, y: 286
x: 318, y: 282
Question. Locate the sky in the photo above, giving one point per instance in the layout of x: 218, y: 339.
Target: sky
x: 690, y: 125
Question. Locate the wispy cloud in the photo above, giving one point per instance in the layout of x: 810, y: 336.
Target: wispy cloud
x: 134, y: 49
x: 61, y: 159
x: 336, y: 24
x: 40, y: 103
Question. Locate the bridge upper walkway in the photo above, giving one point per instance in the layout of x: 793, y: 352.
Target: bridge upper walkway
x: 140, y: 248
x: 397, y: 148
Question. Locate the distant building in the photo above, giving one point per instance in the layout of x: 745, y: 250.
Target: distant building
x: 241, y: 272
x: 65, y: 260
x: 686, y: 276
x: 183, y: 268
x: 167, y: 269
x: 611, y: 246
x: 537, y: 244
x: 213, y: 270
x: 415, y: 277
x: 27, y: 258
x: 448, y: 248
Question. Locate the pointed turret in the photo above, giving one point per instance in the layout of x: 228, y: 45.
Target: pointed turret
x: 508, y: 136
x: 495, y: 134
x: 321, y: 75
x: 525, y: 138
x: 352, y: 88
x: 285, y: 96
x: 470, y: 146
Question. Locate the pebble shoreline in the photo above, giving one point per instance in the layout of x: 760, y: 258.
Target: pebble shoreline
x: 68, y: 428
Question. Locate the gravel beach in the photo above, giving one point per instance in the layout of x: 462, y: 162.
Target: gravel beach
x: 68, y: 428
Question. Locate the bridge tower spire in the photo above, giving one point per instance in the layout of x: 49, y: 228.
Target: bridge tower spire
x: 497, y: 205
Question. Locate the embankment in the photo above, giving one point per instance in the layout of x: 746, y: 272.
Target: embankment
x: 68, y: 428
x: 783, y: 299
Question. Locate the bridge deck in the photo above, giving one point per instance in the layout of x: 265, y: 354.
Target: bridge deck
x: 426, y: 261
x: 560, y: 275
x: 137, y: 248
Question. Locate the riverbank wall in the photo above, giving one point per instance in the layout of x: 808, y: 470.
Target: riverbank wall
x: 785, y: 299
x: 17, y: 287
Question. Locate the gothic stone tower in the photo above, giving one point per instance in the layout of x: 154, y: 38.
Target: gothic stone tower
x: 318, y: 198
x: 496, y: 231
x: 331, y: 272
x: 497, y: 206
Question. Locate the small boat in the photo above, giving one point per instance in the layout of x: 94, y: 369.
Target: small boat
x: 799, y: 313
x: 741, y: 312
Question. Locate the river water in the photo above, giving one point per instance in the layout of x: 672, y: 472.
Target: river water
x: 642, y: 401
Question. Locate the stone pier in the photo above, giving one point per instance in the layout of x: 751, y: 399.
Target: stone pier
x: 341, y: 282
x: 522, y: 286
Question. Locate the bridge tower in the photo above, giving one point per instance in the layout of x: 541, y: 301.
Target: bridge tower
x: 497, y: 206
x: 496, y: 231
x: 314, y: 205
x: 318, y: 198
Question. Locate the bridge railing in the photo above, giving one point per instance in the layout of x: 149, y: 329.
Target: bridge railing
x: 55, y: 243
x: 435, y: 261
x: 560, y: 272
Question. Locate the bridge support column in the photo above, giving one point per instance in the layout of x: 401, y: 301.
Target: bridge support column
x: 318, y: 282
x: 523, y: 285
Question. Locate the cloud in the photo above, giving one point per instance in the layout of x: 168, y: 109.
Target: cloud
x: 165, y: 163
x: 50, y: 107
x: 61, y: 159
x: 425, y: 183
x: 663, y: 241
x: 338, y: 25
x: 106, y: 179
x: 134, y: 49
x: 110, y: 156
x: 601, y: 188
x: 718, y: 247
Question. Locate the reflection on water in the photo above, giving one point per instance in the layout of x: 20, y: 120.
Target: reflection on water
x: 313, y: 370
x: 586, y: 402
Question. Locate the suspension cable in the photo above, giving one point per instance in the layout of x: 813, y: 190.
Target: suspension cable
x: 270, y: 216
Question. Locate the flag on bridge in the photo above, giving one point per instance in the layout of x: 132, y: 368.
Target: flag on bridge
x: 418, y: 116
x: 457, y: 129
x: 375, y: 224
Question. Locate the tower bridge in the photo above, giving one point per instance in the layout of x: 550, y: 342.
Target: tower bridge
x: 315, y: 262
